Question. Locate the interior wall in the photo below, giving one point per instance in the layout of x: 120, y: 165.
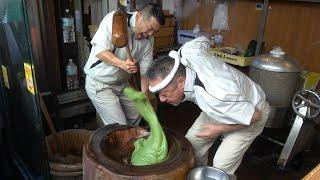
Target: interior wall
x: 294, y: 26
x: 243, y: 19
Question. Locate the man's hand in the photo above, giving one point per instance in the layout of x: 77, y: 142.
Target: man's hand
x: 210, y: 131
x: 130, y: 66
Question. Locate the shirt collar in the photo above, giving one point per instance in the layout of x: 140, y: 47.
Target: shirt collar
x: 188, y: 86
x: 132, y: 20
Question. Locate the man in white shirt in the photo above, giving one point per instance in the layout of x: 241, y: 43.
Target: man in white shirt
x: 232, y: 104
x: 108, y: 70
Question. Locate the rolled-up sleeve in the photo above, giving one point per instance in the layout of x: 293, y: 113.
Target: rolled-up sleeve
x: 147, y: 57
x: 102, y: 38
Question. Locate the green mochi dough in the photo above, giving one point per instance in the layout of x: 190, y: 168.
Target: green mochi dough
x: 154, y: 149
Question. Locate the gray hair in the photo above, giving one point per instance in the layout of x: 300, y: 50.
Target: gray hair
x: 153, y: 10
x: 161, y: 67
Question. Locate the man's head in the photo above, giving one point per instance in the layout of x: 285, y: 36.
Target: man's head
x: 173, y: 93
x: 148, y: 21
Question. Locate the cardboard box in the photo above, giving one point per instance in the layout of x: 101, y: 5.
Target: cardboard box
x: 169, y: 21
x: 163, y: 41
x: 166, y: 12
x: 165, y: 31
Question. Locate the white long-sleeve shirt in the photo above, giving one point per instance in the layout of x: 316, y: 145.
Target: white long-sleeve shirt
x: 221, y: 91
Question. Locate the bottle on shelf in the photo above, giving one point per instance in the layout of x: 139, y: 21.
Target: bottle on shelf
x: 68, y: 27
x: 218, y: 39
x: 72, y: 75
x: 212, y: 41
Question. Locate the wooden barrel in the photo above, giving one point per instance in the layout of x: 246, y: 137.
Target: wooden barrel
x: 72, y: 141
x: 107, y: 156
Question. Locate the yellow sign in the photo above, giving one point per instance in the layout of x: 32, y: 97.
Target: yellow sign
x: 5, y: 76
x: 311, y: 80
x: 123, y: 2
x: 29, y: 79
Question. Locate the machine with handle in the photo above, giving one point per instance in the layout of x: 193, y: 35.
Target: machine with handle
x: 306, y: 105
x: 278, y: 75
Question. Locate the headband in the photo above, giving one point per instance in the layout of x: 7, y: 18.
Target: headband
x: 167, y: 80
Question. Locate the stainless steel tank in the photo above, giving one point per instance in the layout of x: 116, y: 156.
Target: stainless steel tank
x: 278, y: 75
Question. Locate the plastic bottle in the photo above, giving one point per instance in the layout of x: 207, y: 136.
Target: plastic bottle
x: 212, y: 41
x: 72, y: 75
x: 218, y: 39
x: 68, y: 28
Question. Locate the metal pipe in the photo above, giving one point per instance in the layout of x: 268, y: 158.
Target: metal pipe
x: 263, y: 19
x: 272, y: 140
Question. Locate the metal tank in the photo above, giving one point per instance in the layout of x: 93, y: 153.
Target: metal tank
x: 278, y: 75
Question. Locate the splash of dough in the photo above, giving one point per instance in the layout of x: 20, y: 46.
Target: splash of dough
x: 154, y: 149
